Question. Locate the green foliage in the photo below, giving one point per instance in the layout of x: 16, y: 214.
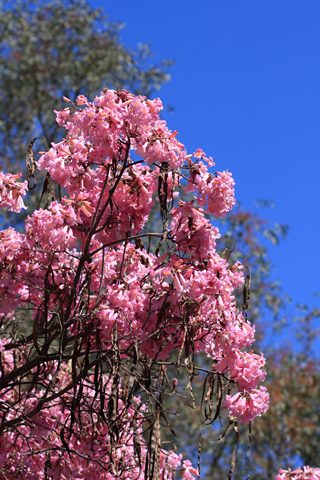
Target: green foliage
x: 56, y: 48
x: 243, y: 233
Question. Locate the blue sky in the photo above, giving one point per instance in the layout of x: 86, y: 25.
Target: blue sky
x: 245, y: 89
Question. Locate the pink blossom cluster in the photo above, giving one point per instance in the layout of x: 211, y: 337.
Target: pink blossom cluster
x: 11, y: 192
x: 247, y: 405
x: 79, y: 256
x: 245, y: 368
x: 216, y: 191
x: 304, y: 473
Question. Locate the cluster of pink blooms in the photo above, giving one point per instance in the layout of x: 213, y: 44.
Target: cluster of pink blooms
x: 216, y: 191
x: 304, y: 473
x: 248, y: 406
x: 110, y: 164
x: 11, y: 192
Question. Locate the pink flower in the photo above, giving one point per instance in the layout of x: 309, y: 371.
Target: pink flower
x: 245, y: 368
x: 304, y: 473
x: 189, y: 472
x: 248, y: 405
x: 11, y: 192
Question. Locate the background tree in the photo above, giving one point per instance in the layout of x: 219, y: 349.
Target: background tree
x: 56, y: 48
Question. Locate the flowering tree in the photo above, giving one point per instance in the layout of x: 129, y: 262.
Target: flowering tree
x: 87, y: 392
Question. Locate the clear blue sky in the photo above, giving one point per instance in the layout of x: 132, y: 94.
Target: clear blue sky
x: 245, y: 89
